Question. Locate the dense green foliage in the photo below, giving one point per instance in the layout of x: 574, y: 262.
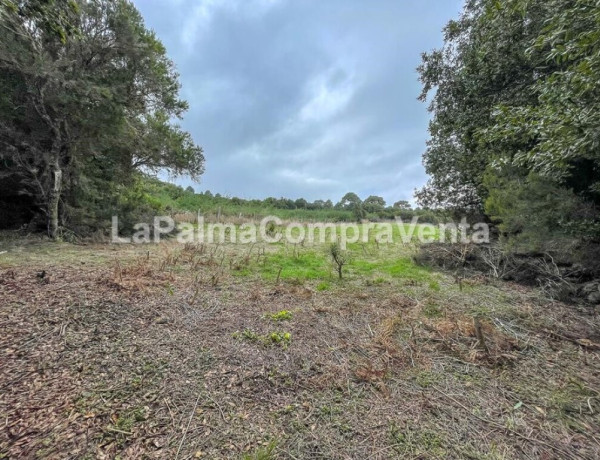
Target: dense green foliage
x: 515, y: 133
x: 157, y: 197
x: 88, y: 95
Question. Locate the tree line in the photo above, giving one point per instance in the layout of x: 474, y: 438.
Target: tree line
x: 157, y: 197
x: 349, y: 202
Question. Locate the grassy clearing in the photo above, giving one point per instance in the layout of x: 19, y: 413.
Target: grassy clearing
x: 368, y: 261
x: 308, y: 265
x: 225, y: 351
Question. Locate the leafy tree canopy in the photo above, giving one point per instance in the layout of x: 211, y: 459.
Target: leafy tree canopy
x: 89, y: 96
x: 514, y: 94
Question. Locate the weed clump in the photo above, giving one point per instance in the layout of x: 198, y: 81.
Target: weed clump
x: 273, y: 338
x: 323, y: 286
x: 263, y: 453
x: 283, y: 315
x: 432, y: 310
x: 283, y: 338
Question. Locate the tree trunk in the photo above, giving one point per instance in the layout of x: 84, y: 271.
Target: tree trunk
x: 54, y: 198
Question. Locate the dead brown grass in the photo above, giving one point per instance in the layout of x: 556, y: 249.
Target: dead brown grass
x: 145, y: 352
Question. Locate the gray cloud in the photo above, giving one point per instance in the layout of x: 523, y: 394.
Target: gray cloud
x: 303, y: 98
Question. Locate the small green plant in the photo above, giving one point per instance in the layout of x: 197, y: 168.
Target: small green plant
x: 432, y: 310
x: 434, y: 286
x: 282, y: 338
x: 323, y: 286
x: 376, y: 281
x: 283, y: 315
x: 339, y: 257
x: 124, y: 423
x: 425, y: 379
x: 262, y: 453
x: 246, y: 334
x: 417, y: 443
x: 271, y: 229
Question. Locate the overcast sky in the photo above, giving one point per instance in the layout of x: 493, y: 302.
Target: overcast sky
x: 303, y: 98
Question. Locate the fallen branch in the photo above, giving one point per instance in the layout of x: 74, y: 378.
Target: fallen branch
x: 586, y: 343
x: 187, y: 428
x: 115, y: 430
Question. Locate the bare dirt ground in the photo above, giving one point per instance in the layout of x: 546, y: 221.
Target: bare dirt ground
x: 170, y: 352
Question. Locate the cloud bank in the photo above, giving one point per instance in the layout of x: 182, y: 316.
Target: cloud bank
x: 303, y: 98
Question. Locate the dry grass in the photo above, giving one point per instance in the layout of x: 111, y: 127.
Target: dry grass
x: 166, y: 354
